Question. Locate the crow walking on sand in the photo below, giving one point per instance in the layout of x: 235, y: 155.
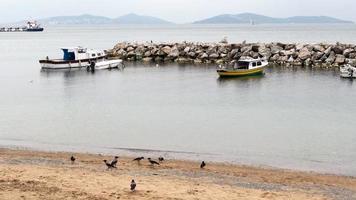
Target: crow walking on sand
x: 72, y: 159
x: 153, y: 162
x: 114, y: 162
x: 133, y: 185
x: 161, y: 159
x: 138, y: 159
x: 202, y: 165
x: 109, y: 165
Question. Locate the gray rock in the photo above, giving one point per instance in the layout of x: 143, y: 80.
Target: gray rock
x: 186, y: 49
x: 214, y: 56
x: 299, y: 46
x: 347, y: 52
x: 275, y: 49
x: 289, y: 47
x: 331, y: 58
x: 337, y: 49
x: 204, y: 56
x: 327, y: 51
x: 166, y: 50
x: 340, y: 59
x: 246, y: 49
x: 318, y: 48
x: 352, y: 55
x: 192, y: 54
x: 129, y: 49
x: 287, y: 52
x: 174, y: 53
x: 304, y: 54
x: 318, y: 56
x: 147, y: 54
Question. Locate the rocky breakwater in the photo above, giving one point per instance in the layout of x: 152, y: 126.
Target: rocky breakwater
x: 314, y: 55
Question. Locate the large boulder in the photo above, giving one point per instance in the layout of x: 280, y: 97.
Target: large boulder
x: 304, y: 53
x: 275, y: 49
x: 192, y: 54
x: 331, y: 58
x: 289, y: 47
x: 246, y: 49
x: 214, y: 56
x: 166, y: 50
x: 337, y: 49
x: 328, y: 51
x: 287, y: 52
x: 174, y: 53
x: 318, y: 48
x: 299, y: 46
x: 340, y: 59
x: 347, y: 52
x: 204, y: 56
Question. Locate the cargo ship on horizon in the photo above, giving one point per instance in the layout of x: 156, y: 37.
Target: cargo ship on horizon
x: 32, y: 26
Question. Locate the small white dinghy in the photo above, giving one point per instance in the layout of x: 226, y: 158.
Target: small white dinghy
x: 348, y: 71
x: 106, y: 64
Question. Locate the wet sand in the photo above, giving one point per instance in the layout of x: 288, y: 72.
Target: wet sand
x: 44, y: 175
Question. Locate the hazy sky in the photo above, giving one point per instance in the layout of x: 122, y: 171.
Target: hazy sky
x: 179, y: 11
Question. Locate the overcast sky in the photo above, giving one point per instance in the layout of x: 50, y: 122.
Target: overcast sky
x: 180, y: 11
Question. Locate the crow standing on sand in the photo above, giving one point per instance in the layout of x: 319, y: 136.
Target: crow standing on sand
x: 202, y: 165
x: 114, y: 162
x: 133, y: 185
x: 109, y: 165
x: 72, y: 159
x: 153, y: 162
x: 161, y: 159
x: 138, y: 159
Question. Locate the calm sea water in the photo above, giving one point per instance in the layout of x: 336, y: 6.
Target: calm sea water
x: 289, y: 118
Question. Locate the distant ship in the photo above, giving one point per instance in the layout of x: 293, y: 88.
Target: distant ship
x: 32, y: 26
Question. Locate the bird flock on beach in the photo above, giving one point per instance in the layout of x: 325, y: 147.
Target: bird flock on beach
x: 113, y: 165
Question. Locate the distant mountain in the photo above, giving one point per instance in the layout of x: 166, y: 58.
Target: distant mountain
x: 81, y: 19
x: 246, y: 18
x: 92, y: 19
x: 139, y: 19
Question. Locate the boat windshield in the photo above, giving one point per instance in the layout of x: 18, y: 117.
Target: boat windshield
x: 242, y: 65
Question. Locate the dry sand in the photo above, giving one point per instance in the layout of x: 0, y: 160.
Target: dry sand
x: 44, y: 175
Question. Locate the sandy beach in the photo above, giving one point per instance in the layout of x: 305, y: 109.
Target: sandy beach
x: 45, y: 175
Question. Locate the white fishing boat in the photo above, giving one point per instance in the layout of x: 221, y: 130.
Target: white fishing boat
x: 243, y: 67
x: 348, y: 71
x: 106, y: 64
x: 75, y: 57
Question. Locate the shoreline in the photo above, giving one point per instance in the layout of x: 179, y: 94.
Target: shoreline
x: 321, y: 55
x: 34, y: 174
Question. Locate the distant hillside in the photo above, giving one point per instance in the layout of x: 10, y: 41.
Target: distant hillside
x: 91, y: 19
x: 81, y: 19
x: 246, y: 18
x: 139, y: 19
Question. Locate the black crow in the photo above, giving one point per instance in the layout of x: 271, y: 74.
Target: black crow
x: 72, y: 159
x: 202, y: 165
x: 109, y: 165
x: 133, y: 185
x: 153, y: 162
x: 161, y: 159
x: 114, y: 162
x: 138, y: 159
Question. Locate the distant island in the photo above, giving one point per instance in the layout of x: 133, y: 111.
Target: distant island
x: 250, y: 18
x: 244, y: 18
x: 92, y: 19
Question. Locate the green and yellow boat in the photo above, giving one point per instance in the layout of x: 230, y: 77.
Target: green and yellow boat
x: 245, y: 67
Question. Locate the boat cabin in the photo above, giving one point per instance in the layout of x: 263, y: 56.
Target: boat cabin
x: 80, y: 53
x: 249, y: 64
